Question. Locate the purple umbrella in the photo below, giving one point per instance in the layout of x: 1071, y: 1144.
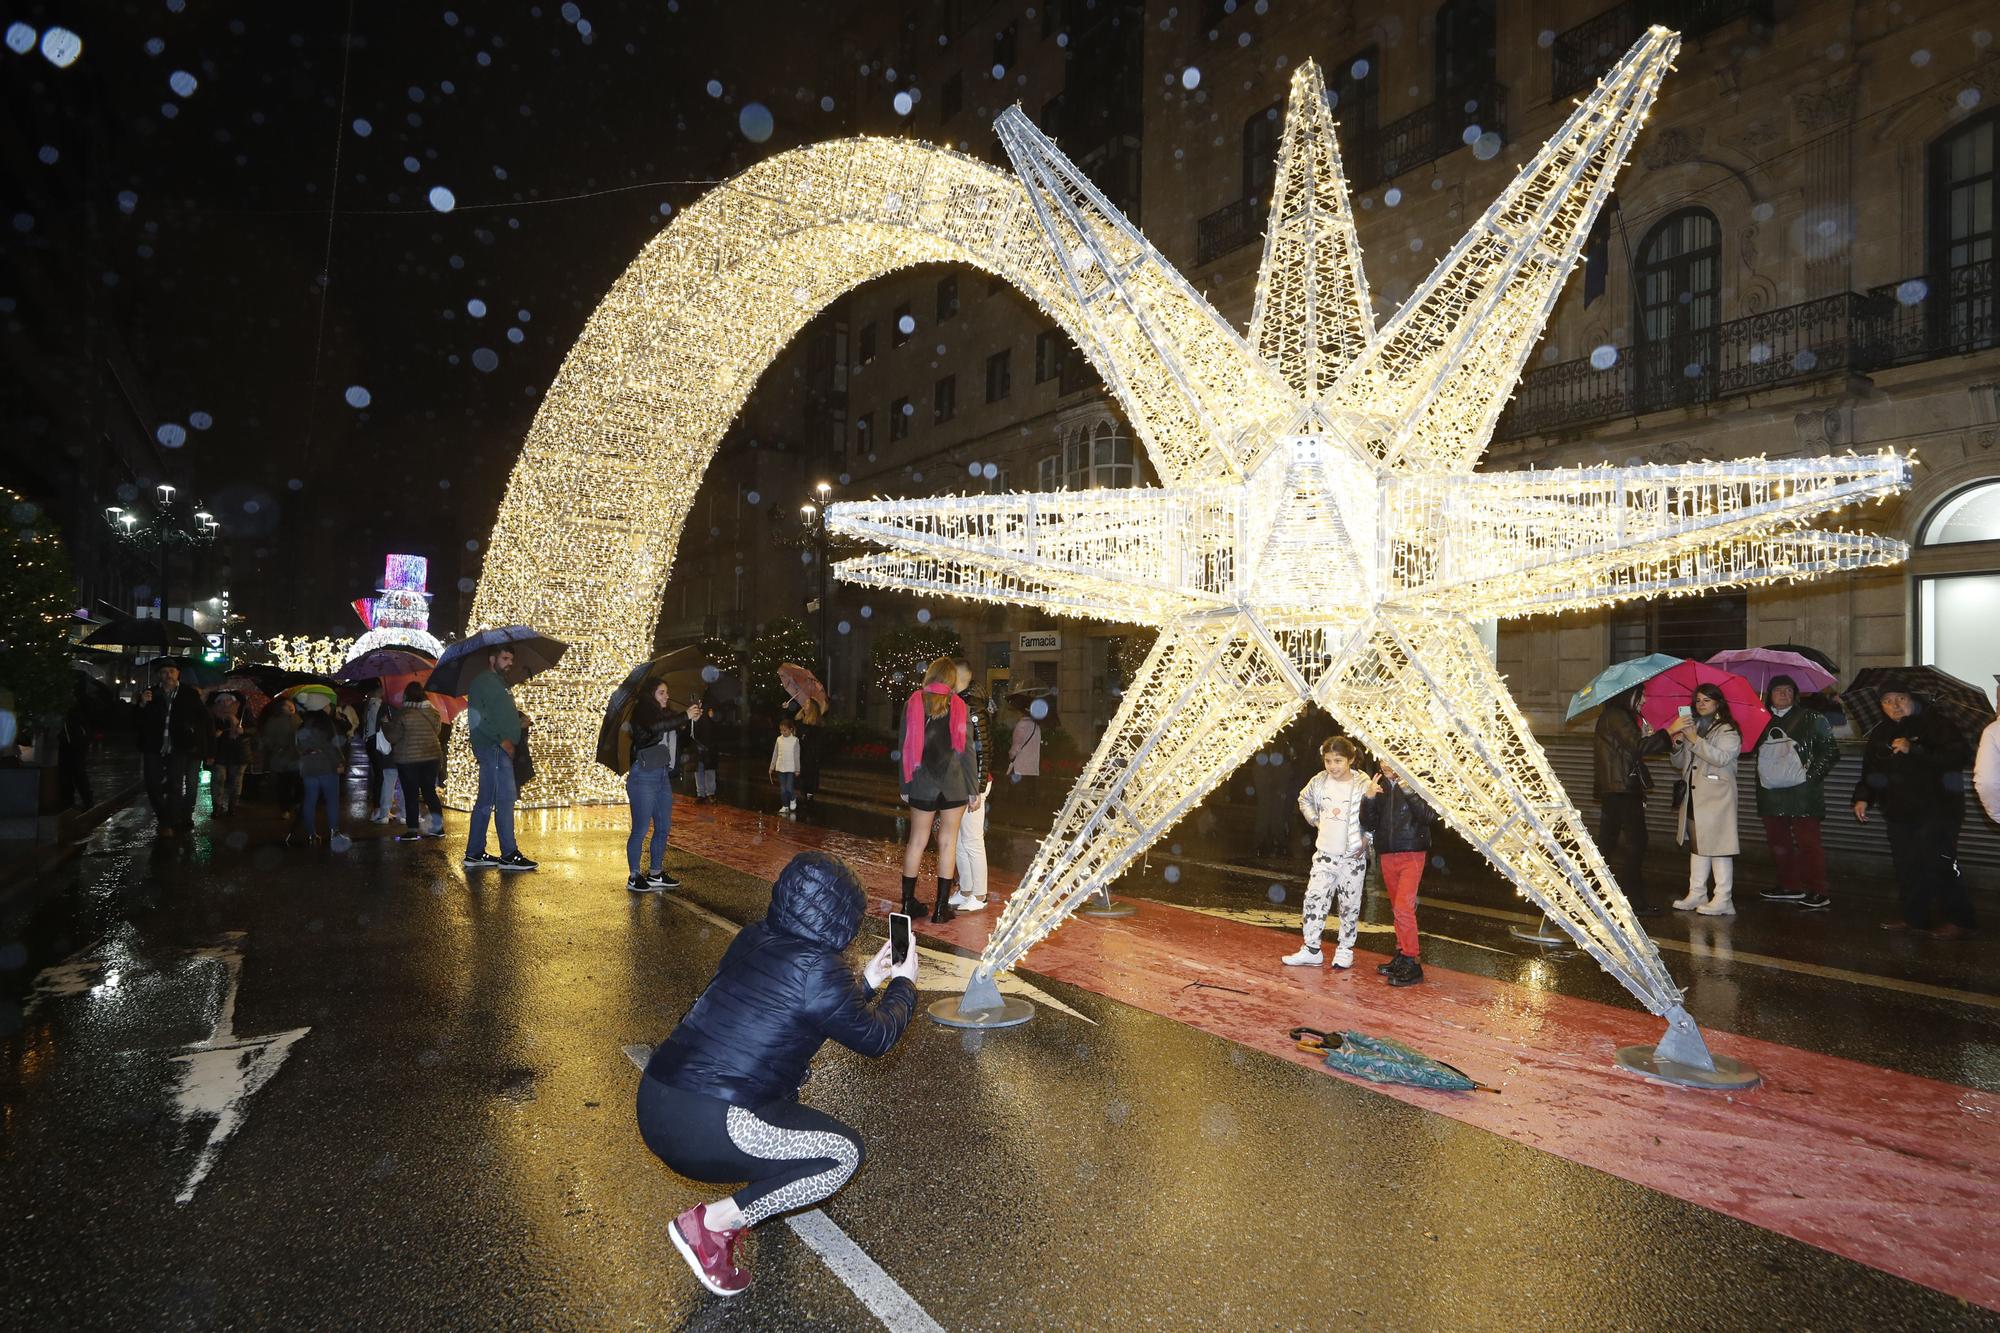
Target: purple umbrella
x: 1759, y: 665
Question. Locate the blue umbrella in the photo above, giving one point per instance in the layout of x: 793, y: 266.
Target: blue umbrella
x: 1614, y: 680
x: 534, y: 652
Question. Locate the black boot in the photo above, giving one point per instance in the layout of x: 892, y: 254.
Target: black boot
x: 1389, y: 967
x: 944, y: 911
x: 911, y: 907
x: 1407, y: 972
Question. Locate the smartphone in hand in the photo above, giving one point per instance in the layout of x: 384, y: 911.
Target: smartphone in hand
x: 899, y: 937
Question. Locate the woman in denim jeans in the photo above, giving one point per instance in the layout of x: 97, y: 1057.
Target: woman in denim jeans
x: 656, y: 731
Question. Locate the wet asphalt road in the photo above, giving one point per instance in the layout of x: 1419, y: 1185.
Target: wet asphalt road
x: 450, y: 1142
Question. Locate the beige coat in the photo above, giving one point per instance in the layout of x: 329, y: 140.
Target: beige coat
x: 1708, y: 763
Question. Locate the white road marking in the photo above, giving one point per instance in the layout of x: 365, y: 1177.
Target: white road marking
x: 219, y: 1074
x: 944, y: 972
x: 871, y: 1285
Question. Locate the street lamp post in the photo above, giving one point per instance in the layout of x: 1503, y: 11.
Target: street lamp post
x: 813, y: 515
x: 156, y: 536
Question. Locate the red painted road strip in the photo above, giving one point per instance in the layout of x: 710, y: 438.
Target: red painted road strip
x: 1897, y: 1172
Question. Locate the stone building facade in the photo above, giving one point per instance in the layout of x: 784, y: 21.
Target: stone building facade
x: 1800, y: 259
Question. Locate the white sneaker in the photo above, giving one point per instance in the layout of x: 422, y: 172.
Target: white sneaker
x: 1343, y: 959
x: 378, y: 816
x: 958, y: 898
x: 1720, y: 907
x: 1303, y: 958
x: 1692, y: 902
x: 972, y: 905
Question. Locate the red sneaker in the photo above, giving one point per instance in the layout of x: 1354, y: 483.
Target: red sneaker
x: 711, y: 1254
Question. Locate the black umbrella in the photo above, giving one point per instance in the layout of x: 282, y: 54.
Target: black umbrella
x: 1813, y: 655
x: 534, y: 653
x: 133, y: 632
x: 1959, y: 702
x: 614, y: 737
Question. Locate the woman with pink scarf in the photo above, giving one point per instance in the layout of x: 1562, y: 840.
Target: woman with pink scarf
x: 940, y: 782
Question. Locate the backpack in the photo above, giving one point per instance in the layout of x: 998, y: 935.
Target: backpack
x: 1778, y: 763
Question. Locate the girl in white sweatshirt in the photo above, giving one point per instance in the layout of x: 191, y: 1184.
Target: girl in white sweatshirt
x: 1331, y: 803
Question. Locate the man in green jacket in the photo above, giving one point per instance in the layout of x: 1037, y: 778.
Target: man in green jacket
x: 494, y: 728
x: 1794, y: 756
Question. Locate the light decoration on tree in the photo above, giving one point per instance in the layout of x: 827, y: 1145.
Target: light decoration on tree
x: 1322, y: 536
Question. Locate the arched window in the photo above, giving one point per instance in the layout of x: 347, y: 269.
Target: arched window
x: 1958, y: 611
x: 1678, y: 289
x: 1962, y: 230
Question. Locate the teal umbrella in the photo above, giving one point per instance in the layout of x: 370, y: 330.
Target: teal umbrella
x: 1380, y: 1060
x: 1614, y: 680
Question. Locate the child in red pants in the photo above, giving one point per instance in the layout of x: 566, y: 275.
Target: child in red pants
x: 1401, y: 825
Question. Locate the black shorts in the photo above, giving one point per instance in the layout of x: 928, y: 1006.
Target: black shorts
x: 935, y: 804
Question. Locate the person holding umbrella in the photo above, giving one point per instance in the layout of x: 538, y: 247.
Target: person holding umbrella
x: 232, y: 753
x: 495, y: 734
x: 1707, y: 746
x: 278, y: 751
x: 1620, y: 781
x: 1912, y: 775
x: 322, y: 754
x: 1793, y: 758
x: 656, y: 728
x: 174, y: 736
x: 414, y: 752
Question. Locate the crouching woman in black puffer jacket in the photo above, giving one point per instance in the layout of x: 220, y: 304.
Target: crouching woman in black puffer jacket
x: 719, y: 1101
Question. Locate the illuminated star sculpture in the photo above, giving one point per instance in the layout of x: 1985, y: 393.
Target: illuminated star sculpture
x: 1322, y: 535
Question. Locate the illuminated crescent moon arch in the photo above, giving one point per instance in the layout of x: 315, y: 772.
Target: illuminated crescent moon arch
x: 594, y: 511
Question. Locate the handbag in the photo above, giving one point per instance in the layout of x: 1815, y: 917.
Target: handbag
x: 1778, y: 762
x: 382, y: 742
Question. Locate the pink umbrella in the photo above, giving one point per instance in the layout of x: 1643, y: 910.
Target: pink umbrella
x: 1759, y: 665
x: 801, y: 684
x: 1673, y: 688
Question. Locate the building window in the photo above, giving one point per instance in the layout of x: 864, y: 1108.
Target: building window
x: 1695, y: 628
x: 1962, y: 229
x: 1355, y: 95
x: 1004, y: 43
x: 999, y: 376
x: 900, y: 413
x: 944, y: 400
x: 1260, y: 152
x: 864, y: 433
x: 1678, y: 286
x: 1051, y: 17
x: 865, y: 344
x: 1048, y: 473
x: 947, y: 297
x: 1052, y: 116
x: 951, y: 98
x: 1466, y: 46
x: 1958, y: 613
x: 1110, y: 457
x: 905, y: 326
x: 1050, y: 347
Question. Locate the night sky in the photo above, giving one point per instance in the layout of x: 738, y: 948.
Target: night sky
x: 343, y: 360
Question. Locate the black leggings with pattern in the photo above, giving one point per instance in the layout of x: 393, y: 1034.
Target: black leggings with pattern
x: 792, y: 1155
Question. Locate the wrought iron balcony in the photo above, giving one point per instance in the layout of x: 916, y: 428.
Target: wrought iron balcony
x: 1228, y: 228
x: 1898, y: 323
x: 1581, y: 55
x: 1429, y: 132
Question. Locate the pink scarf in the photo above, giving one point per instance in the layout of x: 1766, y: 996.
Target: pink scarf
x: 913, y: 726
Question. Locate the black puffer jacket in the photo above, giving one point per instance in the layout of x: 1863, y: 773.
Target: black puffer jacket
x: 1928, y: 782
x: 1398, y: 818
x: 781, y: 990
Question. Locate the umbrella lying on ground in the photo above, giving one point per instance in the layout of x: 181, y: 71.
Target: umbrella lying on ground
x: 1673, y: 689
x: 534, y: 653
x: 1760, y: 665
x: 1617, y: 678
x: 377, y: 663
x: 1959, y: 702
x: 801, y: 684
x: 1381, y: 1060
